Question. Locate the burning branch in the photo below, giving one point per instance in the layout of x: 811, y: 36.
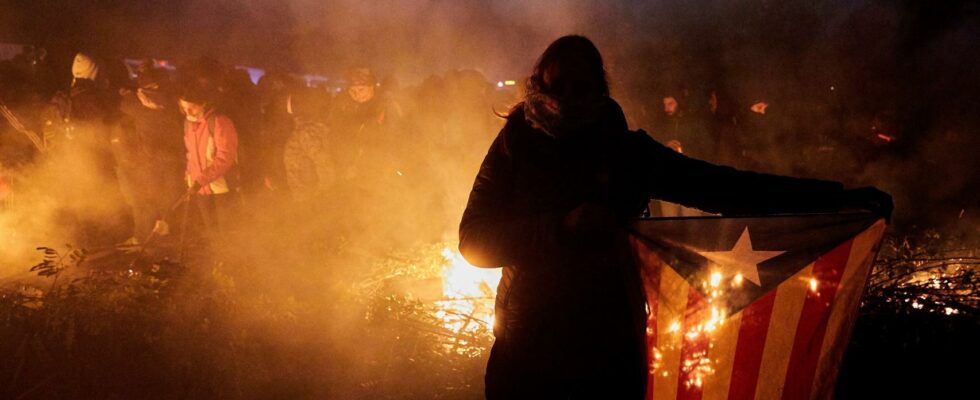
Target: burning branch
x: 19, y: 127
x: 926, y: 273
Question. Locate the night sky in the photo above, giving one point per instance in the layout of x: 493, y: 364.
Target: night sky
x: 674, y: 40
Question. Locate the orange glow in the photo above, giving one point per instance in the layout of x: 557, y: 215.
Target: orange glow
x: 469, y: 293
x: 715, y: 279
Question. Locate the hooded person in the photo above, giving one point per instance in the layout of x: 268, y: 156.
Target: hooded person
x: 87, y: 100
x: 361, y: 122
x: 150, y: 149
x: 358, y: 112
x: 79, y: 136
x: 677, y: 122
x: 84, y: 67
x: 551, y: 204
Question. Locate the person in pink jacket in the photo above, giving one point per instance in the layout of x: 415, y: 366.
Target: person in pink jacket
x: 212, y: 155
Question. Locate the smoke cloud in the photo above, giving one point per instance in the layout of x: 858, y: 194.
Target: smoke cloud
x: 827, y: 68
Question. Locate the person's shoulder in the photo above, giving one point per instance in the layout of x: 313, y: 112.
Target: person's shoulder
x: 221, y: 123
x: 516, y: 130
x: 515, y: 117
x: 222, y: 119
x: 610, y: 105
x: 613, y: 114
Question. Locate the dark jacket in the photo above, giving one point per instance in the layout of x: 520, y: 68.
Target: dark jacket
x: 88, y: 103
x: 153, y: 134
x: 570, y: 313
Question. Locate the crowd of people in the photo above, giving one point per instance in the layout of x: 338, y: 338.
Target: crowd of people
x: 205, y: 132
x: 823, y: 131
x: 148, y: 136
x: 805, y: 136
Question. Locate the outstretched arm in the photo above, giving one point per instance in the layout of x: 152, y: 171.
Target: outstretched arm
x: 725, y: 190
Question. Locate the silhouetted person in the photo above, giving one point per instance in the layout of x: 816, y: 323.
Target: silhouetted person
x: 240, y: 101
x: 678, y: 123
x: 550, y: 205
x: 766, y: 136
x: 79, y: 138
x: 150, y: 151
x: 723, y: 129
x: 363, y: 123
x: 277, y: 126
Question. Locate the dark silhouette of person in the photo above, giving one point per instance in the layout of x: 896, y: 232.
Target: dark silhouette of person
x: 551, y: 205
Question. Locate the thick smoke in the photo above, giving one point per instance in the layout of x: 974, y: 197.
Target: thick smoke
x: 826, y: 68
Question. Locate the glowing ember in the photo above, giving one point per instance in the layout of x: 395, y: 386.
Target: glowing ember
x: 698, y: 365
x: 715, y: 279
x: 717, y: 318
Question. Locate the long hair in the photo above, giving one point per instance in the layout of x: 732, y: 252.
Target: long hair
x: 570, y: 68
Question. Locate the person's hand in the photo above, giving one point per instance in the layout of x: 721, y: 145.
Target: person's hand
x: 871, y: 199
x: 193, y: 189
x: 589, y: 222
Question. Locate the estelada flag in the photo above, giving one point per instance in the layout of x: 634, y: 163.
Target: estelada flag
x: 752, y: 308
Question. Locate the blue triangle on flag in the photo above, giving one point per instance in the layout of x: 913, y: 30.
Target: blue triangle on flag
x: 792, y: 242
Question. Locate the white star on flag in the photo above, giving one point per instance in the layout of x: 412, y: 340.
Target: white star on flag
x: 742, y: 259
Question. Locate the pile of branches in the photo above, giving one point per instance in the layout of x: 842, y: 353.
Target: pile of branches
x: 402, y: 300
x: 90, y: 327
x: 926, y: 272
x: 108, y: 328
x: 918, y: 320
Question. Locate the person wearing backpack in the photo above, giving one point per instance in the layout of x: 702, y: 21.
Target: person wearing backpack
x: 212, y: 157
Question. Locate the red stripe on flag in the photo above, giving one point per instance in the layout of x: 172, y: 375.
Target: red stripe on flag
x: 650, y: 269
x: 694, y: 349
x: 748, y: 352
x: 652, y: 278
x: 827, y: 271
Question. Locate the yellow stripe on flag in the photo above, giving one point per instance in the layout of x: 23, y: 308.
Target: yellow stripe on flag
x: 722, y: 354
x: 671, y: 306
x: 845, y: 309
x: 790, y: 296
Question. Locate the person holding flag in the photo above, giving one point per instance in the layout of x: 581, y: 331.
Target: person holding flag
x: 552, y: 205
